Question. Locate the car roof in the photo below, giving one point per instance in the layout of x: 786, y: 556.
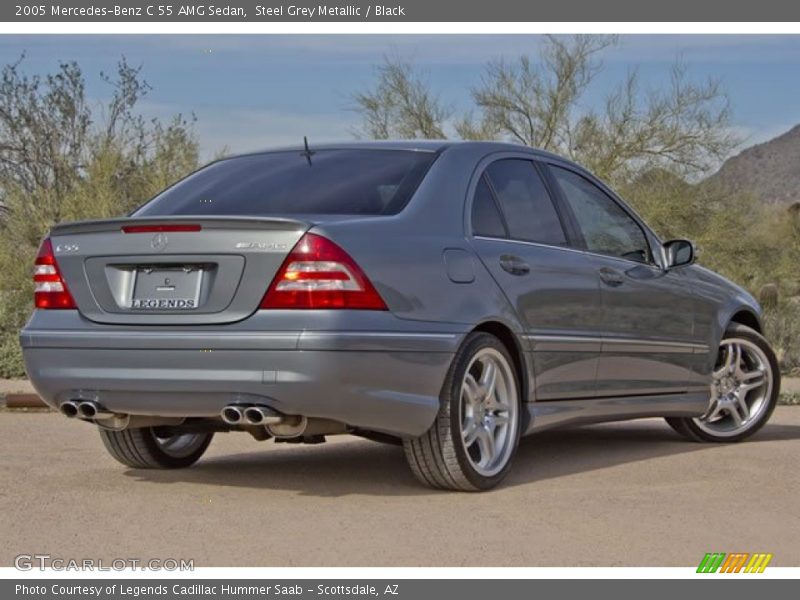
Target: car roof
x: 412, y: 145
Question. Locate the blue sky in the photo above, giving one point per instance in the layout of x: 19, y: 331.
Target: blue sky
x: 254, y: 91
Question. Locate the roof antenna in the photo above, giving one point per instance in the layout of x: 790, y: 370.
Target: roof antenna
x: 307, y: 152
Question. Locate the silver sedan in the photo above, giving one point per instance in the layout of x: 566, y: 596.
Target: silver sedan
x: 449, y: 297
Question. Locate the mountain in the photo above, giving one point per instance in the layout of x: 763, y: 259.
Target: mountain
x: 770, y: 170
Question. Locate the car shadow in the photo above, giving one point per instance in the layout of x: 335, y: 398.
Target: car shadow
x: 368, y: 468
x: 561, y: 452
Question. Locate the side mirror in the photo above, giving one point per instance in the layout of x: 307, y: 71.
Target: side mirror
x: 679, y: 253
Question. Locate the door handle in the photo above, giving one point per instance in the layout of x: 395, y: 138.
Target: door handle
x: 611, y: 277
x: 514, y: 265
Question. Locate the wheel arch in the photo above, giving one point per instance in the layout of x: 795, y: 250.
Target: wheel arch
x: 738, y: 313
x: 512, y: 343
x: 748, y: 318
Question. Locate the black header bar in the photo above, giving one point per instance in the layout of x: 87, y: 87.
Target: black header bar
x: 516, y: 11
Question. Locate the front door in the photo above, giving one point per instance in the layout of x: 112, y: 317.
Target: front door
x: 649, y: 343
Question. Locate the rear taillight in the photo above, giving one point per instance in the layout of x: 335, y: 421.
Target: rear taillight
x: 50, y: 290
x: 319, y: 274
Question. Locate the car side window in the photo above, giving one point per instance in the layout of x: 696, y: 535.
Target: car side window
x: 607, y: 228
x: 486, y: 218
x: 529, y: 212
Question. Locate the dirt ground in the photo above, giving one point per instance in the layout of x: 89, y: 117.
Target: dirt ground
x: 12, y: 386
x: 632, y: 494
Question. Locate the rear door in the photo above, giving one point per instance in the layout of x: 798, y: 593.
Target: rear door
x: 520, y: 236
x: 649, y: 342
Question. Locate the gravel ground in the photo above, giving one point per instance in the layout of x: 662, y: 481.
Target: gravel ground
x: 13, y: 386
x: 632, y: 494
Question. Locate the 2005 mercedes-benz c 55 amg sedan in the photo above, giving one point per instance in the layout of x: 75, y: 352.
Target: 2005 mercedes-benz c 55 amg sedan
x: 449, y: 297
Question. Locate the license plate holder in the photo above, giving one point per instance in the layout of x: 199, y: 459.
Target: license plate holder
x: 166, y: 287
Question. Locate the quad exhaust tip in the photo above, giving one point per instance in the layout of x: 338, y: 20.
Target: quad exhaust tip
x: 92, y: 410
x: 235, y: 414
x: 69, y: 409
x: 84, y: 409
x: 261, y: 415
x: 232, y: 415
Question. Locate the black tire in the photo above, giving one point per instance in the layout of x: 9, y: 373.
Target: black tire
x: 439, y: 457
x: 139, y: 448
x: 687, y: 426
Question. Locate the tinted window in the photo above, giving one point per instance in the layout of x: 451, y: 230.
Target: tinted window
x: 486, y: 219
x: 357, y: 182
x: 526, y: 205
x: 606, y: 227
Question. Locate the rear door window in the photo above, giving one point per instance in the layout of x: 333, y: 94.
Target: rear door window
x: 344, y: 181
x: 486, y: 218
x: 528, y: 210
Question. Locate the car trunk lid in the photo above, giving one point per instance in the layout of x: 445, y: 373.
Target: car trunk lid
x: 172, y: 270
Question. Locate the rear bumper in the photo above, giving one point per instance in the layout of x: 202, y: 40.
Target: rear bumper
x: 381, y: 381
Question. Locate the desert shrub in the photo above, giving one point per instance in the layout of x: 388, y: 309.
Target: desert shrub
x: 63, y: 158
x: 782, y: 328
x: 789, y: 398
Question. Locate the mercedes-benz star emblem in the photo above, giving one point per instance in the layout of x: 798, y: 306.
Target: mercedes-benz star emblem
x: 159, y: 242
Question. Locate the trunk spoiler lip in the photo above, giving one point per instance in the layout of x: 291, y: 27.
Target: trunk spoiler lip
x: 206, y: 222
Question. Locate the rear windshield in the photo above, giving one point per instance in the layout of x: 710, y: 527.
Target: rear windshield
x: 349, y: 182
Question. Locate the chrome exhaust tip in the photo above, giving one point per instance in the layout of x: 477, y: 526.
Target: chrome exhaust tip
x: 69, y: 409
x: 232, y: 414
x: 261, y: 415
x: 91, y: 410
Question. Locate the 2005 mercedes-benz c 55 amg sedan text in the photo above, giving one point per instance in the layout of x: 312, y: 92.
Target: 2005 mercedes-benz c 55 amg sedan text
x: 449, y: 297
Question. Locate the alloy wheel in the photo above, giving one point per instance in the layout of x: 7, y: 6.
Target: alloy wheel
x: 740, y: 390
x: 489, y: 411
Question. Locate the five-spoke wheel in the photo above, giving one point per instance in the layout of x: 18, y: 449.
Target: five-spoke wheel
x: 489, y: 409
x: 473, y: 439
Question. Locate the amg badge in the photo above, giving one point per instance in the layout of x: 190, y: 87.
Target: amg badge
x: 161, y: 303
